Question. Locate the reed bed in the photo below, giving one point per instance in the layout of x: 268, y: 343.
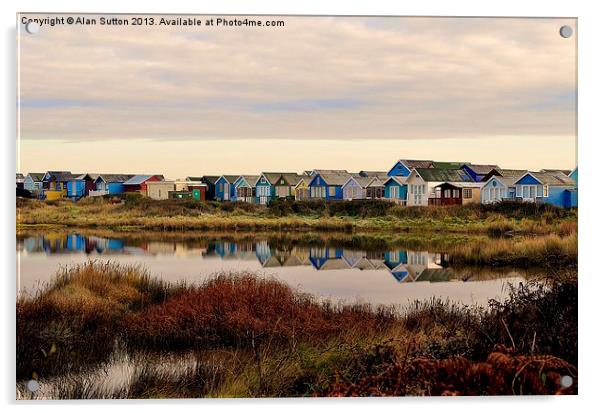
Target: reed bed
x: 545, y: 251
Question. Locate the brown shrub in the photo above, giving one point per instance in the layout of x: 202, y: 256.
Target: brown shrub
x: 502, y: 373
x: 245, y: 310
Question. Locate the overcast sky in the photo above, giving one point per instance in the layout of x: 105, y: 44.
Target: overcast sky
x: 321, y: 92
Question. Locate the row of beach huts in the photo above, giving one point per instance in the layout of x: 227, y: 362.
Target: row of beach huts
x: 407, y: 182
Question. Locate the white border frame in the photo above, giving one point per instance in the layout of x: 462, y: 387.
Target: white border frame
x: 590, y: 31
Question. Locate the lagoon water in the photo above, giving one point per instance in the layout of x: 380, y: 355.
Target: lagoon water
x: 394, y: 276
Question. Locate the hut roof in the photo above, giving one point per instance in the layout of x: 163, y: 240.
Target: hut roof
x: 329, y: 171
x: 292, y: 178
x: 566, y: 172
x: 551, y: 178
x: 377, y: 174
x: 115, y: 178
x: 401, y: 180
x: 443, y: 175
x: 230, y: 178
x: 250, y: 179
x: 363, y: 181
x: 211, y: 178
x: 448, y: 165
x: 338, y: 178
x: 417, y: 163
x: 482, y: 169
x: 61, y: 175
x: 36, y: 176
x: 140, y: 179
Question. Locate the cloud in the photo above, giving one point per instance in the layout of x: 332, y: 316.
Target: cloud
x: 317, y: 78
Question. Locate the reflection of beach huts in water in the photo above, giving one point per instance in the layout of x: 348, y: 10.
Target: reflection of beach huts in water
x: 262, y: 251
x: 408, y: 266
x: 352, y: 257
x: 436, y: 275
x: 104, y: 245
x: 75, y: 242
x: 186, y: 250
x: 160, y: 247
x: 222, y: 249
x: 299, y: 256
x: 420, y: 261
x: 230, y: 249
x: 61, y: 244
x: 327, y: 258
x: 33, y: 244
x: 396, y: 261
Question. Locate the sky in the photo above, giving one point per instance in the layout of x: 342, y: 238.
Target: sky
x: 319, y: 93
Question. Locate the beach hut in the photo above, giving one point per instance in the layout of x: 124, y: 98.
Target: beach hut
x: 55, y: 184
x: 500, y: 186
x: 20, y: 181
x: 436, y: 176
x: 244, y: 187
x: 328, y: 185
x: 272, y: 185
x: 137, y: 183
x: 210, y: 181
x: 81, y: 185
x: 224, y: 188
x: 457, y: 193
x: 356, y: 187
x: 396, y: 189
x: 417, y: 188
x: 376, y: 188
x: 33, y: 183
x: 109, y: 184
x: 302, y: 188
x: 159, y: 190
x: 549, y: 187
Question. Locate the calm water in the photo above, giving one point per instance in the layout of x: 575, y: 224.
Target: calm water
x: 393, y: 276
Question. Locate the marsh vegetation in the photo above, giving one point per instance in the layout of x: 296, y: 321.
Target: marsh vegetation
x: 244, y: 335
x: 135, y: 212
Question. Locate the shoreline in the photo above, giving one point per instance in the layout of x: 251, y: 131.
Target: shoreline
x: 140, y: 214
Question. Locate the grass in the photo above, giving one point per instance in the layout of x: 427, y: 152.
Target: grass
x: 136, y: 213
x: 255, y: 336
x: 546, y: 251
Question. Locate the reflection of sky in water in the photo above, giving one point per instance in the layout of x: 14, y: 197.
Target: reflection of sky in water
x: 383, y: 277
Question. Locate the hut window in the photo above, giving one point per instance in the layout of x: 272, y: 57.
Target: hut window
x: 545, y: 190
x: 446, y: 193
x: 467, y: 193
x: 331, y: 191
x: 456, y: 193
x: 263, y: 180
